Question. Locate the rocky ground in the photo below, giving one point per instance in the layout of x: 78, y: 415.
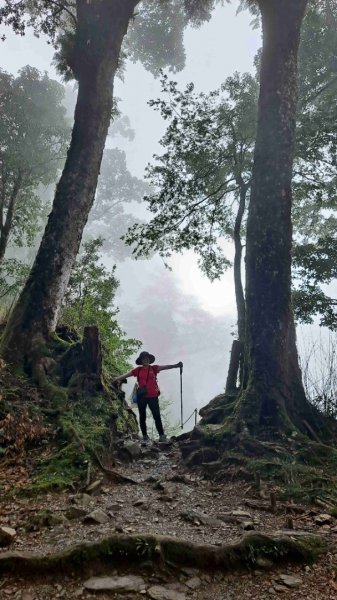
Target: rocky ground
x: 166, y: 500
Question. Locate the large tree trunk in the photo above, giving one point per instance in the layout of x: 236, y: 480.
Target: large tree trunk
x: 274, y: 395
x: 101, y: 26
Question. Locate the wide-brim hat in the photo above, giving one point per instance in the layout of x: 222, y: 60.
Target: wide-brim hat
x: 141, y: 356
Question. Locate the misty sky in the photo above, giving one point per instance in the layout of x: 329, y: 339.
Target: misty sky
x: 178, y: 315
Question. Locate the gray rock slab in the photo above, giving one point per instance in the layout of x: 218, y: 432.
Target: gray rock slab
x: 96, y: 516
x: 129, y: 583
x: 7, y: 536
x: 290, y: 580
x: 158, y: 592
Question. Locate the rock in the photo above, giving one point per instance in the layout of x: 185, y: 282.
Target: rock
x: 158, y: 592
x: 114, y: 507
x: 133, y: 449
x: 151, y: 479
x: 323, y: 519
x: 271, y: 591
x: 176, y: 586
x: 203, y: 455
x: 264, y: 563
x: 45, y: 518
x: 94, y: 486
x: 179, y: 478
x: 162, y: 486
x: 55, y: 519
x: 194, y: 583
x: 241, y: 514
x: 280, y: 589
x: 197, y: 518
x: 190, y: 572
x: 227, y: 518
x: 140, y: 502
x: 247, y: 525
x: 27, y: 596
x: 96, y: 516
x: 129, y: 583
x: 165, y: 498
x: 7, y: 536
x: 82, y: 499
x: 75, y: 512
x: 290, y: 581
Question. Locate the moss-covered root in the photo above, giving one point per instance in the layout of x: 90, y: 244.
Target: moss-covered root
x: 135, y: 548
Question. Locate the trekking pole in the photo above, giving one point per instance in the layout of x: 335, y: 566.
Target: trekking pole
x: 181, y: 398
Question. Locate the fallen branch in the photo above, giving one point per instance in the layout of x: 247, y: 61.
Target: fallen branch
x: 298, y: 546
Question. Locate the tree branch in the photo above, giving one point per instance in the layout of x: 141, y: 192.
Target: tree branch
x: 64, y: 8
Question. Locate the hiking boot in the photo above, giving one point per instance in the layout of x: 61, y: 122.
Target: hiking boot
x: 145, y: 441
x: 163, y: 438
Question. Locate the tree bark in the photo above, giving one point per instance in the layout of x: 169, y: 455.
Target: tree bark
x: 101, y: 27
x: 234, y: 366
x: 239, y: 293
x: 7, y: 222
x: 274, y: 394
x: 236, y: 359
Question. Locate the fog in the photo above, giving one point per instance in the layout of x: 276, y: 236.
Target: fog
x: 177, y: 314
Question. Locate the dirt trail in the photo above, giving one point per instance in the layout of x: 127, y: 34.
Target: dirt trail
x: 167, y: 500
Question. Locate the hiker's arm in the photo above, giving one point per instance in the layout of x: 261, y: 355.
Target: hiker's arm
x: 167, y: 367
x: 120, y: 377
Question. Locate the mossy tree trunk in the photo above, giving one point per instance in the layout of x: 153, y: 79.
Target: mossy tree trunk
x: 101, y: 27
x: 274, y: 394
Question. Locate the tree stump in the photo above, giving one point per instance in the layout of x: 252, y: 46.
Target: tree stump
x: 82, y: 364
x: 91, y: 352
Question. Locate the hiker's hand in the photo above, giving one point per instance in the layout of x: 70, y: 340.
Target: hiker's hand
x: 180, y: 365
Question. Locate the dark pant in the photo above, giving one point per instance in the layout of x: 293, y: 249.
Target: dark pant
x: 153, y: 405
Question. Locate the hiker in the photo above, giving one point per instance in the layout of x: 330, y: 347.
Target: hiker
x: 148, y: 391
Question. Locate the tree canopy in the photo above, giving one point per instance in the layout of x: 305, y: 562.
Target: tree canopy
x: 34, y: 135
x: 207, y: 158
x: 155, y: 36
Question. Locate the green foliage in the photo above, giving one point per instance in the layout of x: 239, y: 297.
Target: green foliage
x: 155, y: 36
x: 13, y: 274
x: 207, y: 162
x: 315, y: 198
x: 34, y: 133
x: 89, y: 300
x: 116, y: 188
x: 84, y: 429
x: 316, y: 265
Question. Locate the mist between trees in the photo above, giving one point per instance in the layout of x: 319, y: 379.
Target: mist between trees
x: 198, y: 189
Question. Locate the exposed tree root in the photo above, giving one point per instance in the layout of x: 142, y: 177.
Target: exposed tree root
x: 111, y: 473
x: 169, y: 551
x: 303, y: 469
x: 280, y: 508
